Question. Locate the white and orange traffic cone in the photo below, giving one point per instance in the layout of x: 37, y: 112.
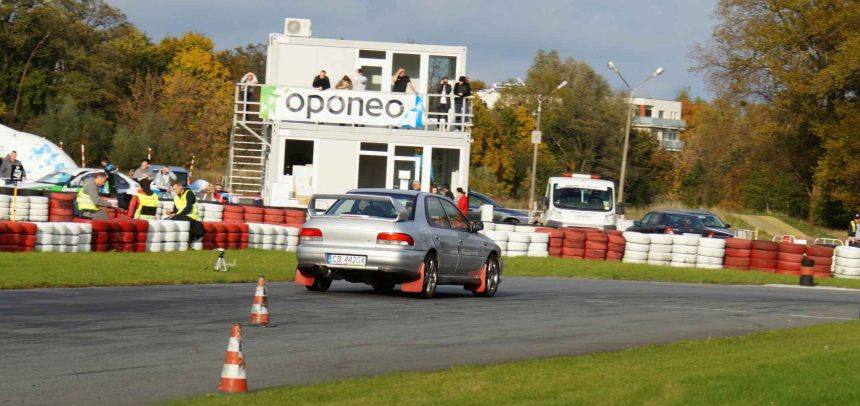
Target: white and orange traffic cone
x: 260, y: 308
x: 233, y: 373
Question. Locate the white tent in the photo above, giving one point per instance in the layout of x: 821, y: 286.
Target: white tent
x: 38, y: 155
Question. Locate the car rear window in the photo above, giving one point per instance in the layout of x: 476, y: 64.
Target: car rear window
x: 683, y: 221
x: 359, y: 206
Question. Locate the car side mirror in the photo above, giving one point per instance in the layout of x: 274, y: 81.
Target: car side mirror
x: 619, y: 208
x: 637, y: 223
x: 475, y: 226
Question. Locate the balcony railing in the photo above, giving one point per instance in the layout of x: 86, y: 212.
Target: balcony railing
x: 660, y: 122
x: 672, y: 145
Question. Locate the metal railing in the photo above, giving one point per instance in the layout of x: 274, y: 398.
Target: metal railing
x: 660, y: 122
x: 672, y: 145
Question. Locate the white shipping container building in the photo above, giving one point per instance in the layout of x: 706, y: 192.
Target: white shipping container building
x: 290, y: 140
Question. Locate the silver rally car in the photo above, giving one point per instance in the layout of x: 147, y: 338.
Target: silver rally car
x: 385, y: 237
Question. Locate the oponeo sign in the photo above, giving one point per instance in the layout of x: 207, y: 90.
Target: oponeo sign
x: 341, y: 107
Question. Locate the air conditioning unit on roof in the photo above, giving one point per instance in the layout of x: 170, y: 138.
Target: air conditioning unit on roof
x: 297, y: 27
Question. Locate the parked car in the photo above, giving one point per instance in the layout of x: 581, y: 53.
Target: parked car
x: 711, y: 220
x: 500, y: 214
x: 72, y: 179
x: 675, y: 222
x: 382, y: 237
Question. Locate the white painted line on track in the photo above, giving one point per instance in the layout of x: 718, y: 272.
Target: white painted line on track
x: 601, y: 301
x: 749, y: 312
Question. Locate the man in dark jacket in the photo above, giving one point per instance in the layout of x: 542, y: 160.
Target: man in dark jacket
x: 321, y: 81
x: 462, y: 90
x: 9, y: 162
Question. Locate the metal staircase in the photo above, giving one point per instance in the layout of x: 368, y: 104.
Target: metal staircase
x: 250, y: 143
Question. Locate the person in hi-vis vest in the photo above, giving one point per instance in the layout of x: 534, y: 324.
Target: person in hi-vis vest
x: 88, y: 201
x: 144, y: 204
x: 854, y: 227
x: 185, y: 209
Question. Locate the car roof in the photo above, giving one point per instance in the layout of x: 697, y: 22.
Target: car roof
x: 387, y: 191
x: 690, y: 212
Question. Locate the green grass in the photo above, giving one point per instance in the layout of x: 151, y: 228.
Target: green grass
x: 45, y: 269
x: 34, y: 270
x: 803, y: 366
x: 809, y: 229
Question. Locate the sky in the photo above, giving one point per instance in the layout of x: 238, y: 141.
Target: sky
x: 502, y: 36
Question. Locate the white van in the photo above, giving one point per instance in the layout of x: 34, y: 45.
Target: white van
x: 579, y: 200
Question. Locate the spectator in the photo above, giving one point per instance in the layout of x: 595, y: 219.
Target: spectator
x: 110, y: 170
x: 443, y: 104
x: 344, y: 84
x: 446, y: 191
x: 163, y: 179
x: 185, y: 209
x: 854, y: 227
x: 220, y: 195
x: 434, y: 190
x: 462, y: 201
x: 462, y: 90
x: 9, y: 162
x: 144, y: 204
x: 88, y: 201
x: 400, y: 81
x: 248, y: 83
x: 416, y: 185
x: 143, y: 171
x: 360, y: 82
x: 321, y: 81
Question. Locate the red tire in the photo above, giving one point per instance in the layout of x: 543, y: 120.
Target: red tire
x: 574, y: 243
x: 294, y: 219
x: 738, y: 253
x: 822, y: 275
x: 553, y: 232
x: 616, y: 239
x: 61, y: 211
x: 788, y: 266
x: 616, y: 255
x: 556, y: 242
x: 787, y: 257
x: 574, y: 235
x: 294, y: 213
x: 759, y: 263
x: 596, y: 236
x: 252, y: 218
x: 819, y: 251
x: 273, y: 219
x: 784, y: 272
x: 598, y: 255
x: 58, y: 196
x: 736, y: 267
x: 736, y: 261
x: 556, y: 251
x: 253, y: 210
x: 596, y: 245
x: 617, y: 248
x: 765, y: 246
x: 615, y: 232
x: 738, y: 243
x: 573, y: 252
x: 792, y: 248
x: 821, y: 261
x: 759, y: 254
x: 232, y: 208
x: 821, y: 268
x: 100, y: 226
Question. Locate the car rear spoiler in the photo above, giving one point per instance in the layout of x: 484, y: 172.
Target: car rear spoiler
x: 402, y: 213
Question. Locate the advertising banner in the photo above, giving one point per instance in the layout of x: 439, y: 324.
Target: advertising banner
x: 341, y: 107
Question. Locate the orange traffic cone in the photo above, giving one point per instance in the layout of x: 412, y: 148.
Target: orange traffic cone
x: 233, y: 373
x: 260, y: 308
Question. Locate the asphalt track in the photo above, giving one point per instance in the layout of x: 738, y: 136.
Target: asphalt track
x: 136, y: 345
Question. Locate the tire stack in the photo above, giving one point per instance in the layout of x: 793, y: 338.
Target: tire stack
x: 685, y: 249
x: 17, y: 236
x: 574, y: 244
x: 272, y: 237
x: 166, y: 235
x: 710, y: 253
x: 596, y: 245
x: 660, y: 250
x: 211, y: 212
x: 5, y: 207
x: 555, y: 243
x: 61, y: 207
x: 615, y: 249
x: 789, y: 257
x: 518, y: 244
x: 499, y: 237
x: 273, y: 216
x: 636, y: 247
x: 763, y: 256
x: 39, y: 208
x: 738, y: 254
x: 164, y: 207
x: 294, y: 218
x: 236, y: 214
x: 538, y: 245
x: 63, y: 237
x: 22, y: 209
x: 823, y: 257
x: 846, y: 262
x: 224, y: 235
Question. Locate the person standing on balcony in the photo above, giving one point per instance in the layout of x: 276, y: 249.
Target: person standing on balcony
x: 400, y: 81
x: 344, y: 84
x: 360, y: 83
x: 249, y: 83
x: 443, y: 104
x: 462, y: 90
x: 321, y: 81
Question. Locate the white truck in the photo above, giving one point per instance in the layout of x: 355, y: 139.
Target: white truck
x: 579, y: 200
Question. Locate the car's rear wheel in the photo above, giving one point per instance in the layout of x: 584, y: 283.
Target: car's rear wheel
x: 491, y: 278
x: 320, y: 284
x: 431, y: 274
x: 511, y: 221
x: 383, y: 286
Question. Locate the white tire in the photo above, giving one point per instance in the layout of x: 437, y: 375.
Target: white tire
x: 518, y: 246
x: 637, y: 255
x: 665, y: 239
x: 659, y: 256
x: 44, y: 239
x: 632, y: 246
x: 39, y: 219
x: 638, y: 238
x: 712, y: 243
x: 519, y: 237
x: 504, y: 227
x: 685, y: 249
x: 682, y: 264
x: 169, y: 226
x: 39, y: 199
x: 170, y: 237
x: 292, y: 241
x: 709, y: 266
x: 86, y: 228
x: 154, y: 247
x: 84, y: 248
x: 711, y: 252
x: 489, y: 226
x: 847, y: 252
x: 85, y: 238
x: 656, y: 262
x: 846, y: 276
x: 503, y: 245
x: 660, y: 248
x: 183, y: 237
x: 538, y: 254
x: 848, y: 262
x: 709, y: 260
x: 155, y: 226
x: 46, y: 228
x: 517, y: 253
x: 634, y: 261
x: 292, y: 231
x: 524, y: 229
x: 197, y: 246
x: 280, y: 239
x: 684, y: 240
x: 538, y: 247
x: 43, y: 247
x: 268, y: 239
x: 497, y: 235
x: 5, y: 199
x: 684, y: 258
x: 183, y: 226
x: 539, y: 237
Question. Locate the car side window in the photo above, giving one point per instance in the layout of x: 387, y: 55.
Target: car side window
x: 650, y: 219
x: 122, y: 184
x: 436, y: 216
x: 455, y: 218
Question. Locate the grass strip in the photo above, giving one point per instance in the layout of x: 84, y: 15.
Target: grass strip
x: 804, y: 366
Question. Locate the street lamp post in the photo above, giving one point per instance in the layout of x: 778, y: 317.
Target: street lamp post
x: 632, y: 91
x: 535, y: 142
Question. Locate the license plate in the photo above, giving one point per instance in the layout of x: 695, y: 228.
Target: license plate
x: 356, y: 260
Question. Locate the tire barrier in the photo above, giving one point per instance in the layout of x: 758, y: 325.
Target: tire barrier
x: 272, y: 237
x: 685, y: 251
x: 236, y: 214
x: 788, y: 258
x: 518, y: 243
x: 660, y: 250
x: 573, y: 246
x: 763, y: 256
x: 636, y: 248
x: 225, y: 235
x: 846, y: 262
x: 17, y: 236
x: 823, y: 257
x: 211, y: 212
x: 63, y: 237
x: 27, y: 208
x: 538, y: 244
x: 615, y: 251
x: 555, y: 242
x: 168, y: 236
x: 117, y: 235
x: 710, y: 253
x: 61, y: 208
x: 499, y: 237
x: 738, y: 253
x: 596, y: 245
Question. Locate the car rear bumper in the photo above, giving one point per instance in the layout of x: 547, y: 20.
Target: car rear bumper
x: 399, y: 262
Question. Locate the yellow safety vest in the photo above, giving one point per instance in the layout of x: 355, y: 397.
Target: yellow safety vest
x: 84, y: 202
x: 179, y: 203
x: 146, y: 201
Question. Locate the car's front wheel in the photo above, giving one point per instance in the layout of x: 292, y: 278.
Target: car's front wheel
x: 431, y: 274
x: 320, y: 284
x: 491, y: 278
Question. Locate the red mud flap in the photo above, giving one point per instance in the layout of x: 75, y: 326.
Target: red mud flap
x: 303, y: 280
x: 415, y: 286
x: 483, y: 286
